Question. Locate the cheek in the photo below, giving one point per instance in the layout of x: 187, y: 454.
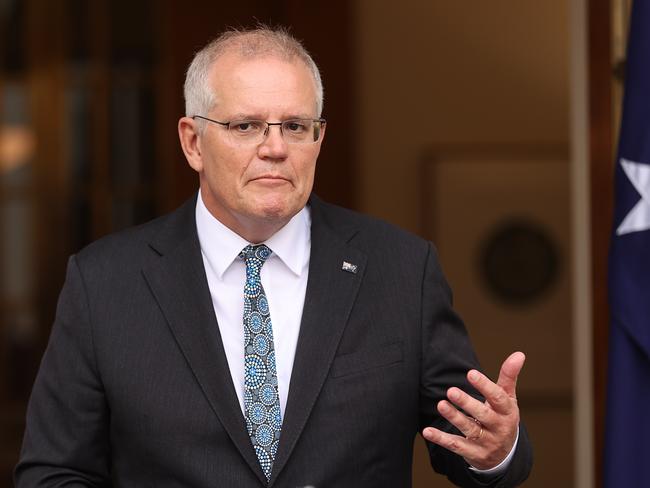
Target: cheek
x: 306, y: 168
x: 304, y: 179
x: 308, y: 178
x: 225, y: 169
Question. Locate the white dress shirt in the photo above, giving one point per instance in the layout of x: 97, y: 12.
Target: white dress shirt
x: 284, y: 278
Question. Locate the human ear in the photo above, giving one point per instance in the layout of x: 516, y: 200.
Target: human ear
x: 188, y: 133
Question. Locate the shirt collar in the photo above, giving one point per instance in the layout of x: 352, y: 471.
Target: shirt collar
x: 221, y: 246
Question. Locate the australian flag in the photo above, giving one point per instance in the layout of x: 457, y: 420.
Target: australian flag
x: 627, y: 433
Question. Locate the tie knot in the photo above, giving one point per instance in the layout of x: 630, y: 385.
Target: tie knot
x: 255, y: 256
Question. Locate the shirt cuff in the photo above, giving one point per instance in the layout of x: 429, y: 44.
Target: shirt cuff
x: 502, y: 466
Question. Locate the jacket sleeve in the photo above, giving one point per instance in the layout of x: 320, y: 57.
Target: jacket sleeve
x: 66, y: 438
x: 447, y: 356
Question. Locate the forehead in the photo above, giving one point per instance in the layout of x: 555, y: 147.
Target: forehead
x: 262, y: 86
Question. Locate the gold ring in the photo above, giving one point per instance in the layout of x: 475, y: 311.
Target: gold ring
x: 480, y: 433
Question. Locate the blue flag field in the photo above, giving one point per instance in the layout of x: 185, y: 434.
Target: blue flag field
x: 627, y: 431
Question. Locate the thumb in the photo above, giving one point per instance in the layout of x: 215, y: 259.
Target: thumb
x: 510, y: 370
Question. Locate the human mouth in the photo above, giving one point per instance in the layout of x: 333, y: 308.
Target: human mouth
x: 271, y: 180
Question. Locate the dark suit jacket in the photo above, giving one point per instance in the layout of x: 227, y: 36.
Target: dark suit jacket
x: 134, y: 389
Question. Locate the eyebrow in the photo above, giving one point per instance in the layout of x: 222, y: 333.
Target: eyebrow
x: 243, y: 116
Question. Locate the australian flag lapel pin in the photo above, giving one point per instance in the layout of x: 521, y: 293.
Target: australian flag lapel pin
x: 349, y: 267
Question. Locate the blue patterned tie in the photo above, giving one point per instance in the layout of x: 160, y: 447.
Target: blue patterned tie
x: 261, y: 400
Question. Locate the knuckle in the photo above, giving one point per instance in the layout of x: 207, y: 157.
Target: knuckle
x: 500, y: 397
x: 453, y: 445
x: 484, y: 413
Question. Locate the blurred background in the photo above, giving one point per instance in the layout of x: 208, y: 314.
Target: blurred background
x: 488, y: 127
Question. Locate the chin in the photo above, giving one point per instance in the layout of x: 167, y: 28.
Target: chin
x: 279, y: 209
x: 276, y: 213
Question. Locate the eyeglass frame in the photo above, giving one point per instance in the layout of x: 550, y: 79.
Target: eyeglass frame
x: 321, y: 121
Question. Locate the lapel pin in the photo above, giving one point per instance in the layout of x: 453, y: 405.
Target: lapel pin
x: 349, y: 267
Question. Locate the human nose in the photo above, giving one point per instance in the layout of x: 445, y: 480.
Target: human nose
x: 273, y: 146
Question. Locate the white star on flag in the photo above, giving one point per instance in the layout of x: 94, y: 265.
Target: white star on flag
x: 638, y: 218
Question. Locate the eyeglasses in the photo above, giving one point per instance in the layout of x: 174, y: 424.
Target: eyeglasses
x: 254, y: 132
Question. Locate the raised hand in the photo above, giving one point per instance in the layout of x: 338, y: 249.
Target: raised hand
x: 489, y: 428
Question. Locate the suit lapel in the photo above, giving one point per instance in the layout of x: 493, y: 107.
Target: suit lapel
x: 331, y: 293
x: 180, y: 287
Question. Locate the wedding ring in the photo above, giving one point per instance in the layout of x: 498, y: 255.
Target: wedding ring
x: 480, y: 433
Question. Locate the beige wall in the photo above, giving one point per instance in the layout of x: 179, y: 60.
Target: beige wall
x: 437, y: 73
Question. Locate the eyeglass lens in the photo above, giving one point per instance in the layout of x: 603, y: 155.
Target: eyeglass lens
x: 294, y: 131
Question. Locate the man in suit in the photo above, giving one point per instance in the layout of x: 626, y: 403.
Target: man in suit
x: 164, y: 367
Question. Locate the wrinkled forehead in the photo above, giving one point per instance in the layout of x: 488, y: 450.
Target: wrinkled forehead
x: 235, y: 77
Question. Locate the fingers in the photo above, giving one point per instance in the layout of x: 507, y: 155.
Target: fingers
x: 471, y: 428
x: 473, y: 407
x: 487, y: 440
x: 510, y: 371
x: 490, y: 438
x: 496, y: 396
x: 484, y: 455
x: 455, y: 443
x: 500, y: 395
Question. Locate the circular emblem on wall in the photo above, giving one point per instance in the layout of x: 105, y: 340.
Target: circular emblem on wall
x: 518, y: 261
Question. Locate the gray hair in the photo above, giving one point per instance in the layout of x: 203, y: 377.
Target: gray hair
x: 253, y: 43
